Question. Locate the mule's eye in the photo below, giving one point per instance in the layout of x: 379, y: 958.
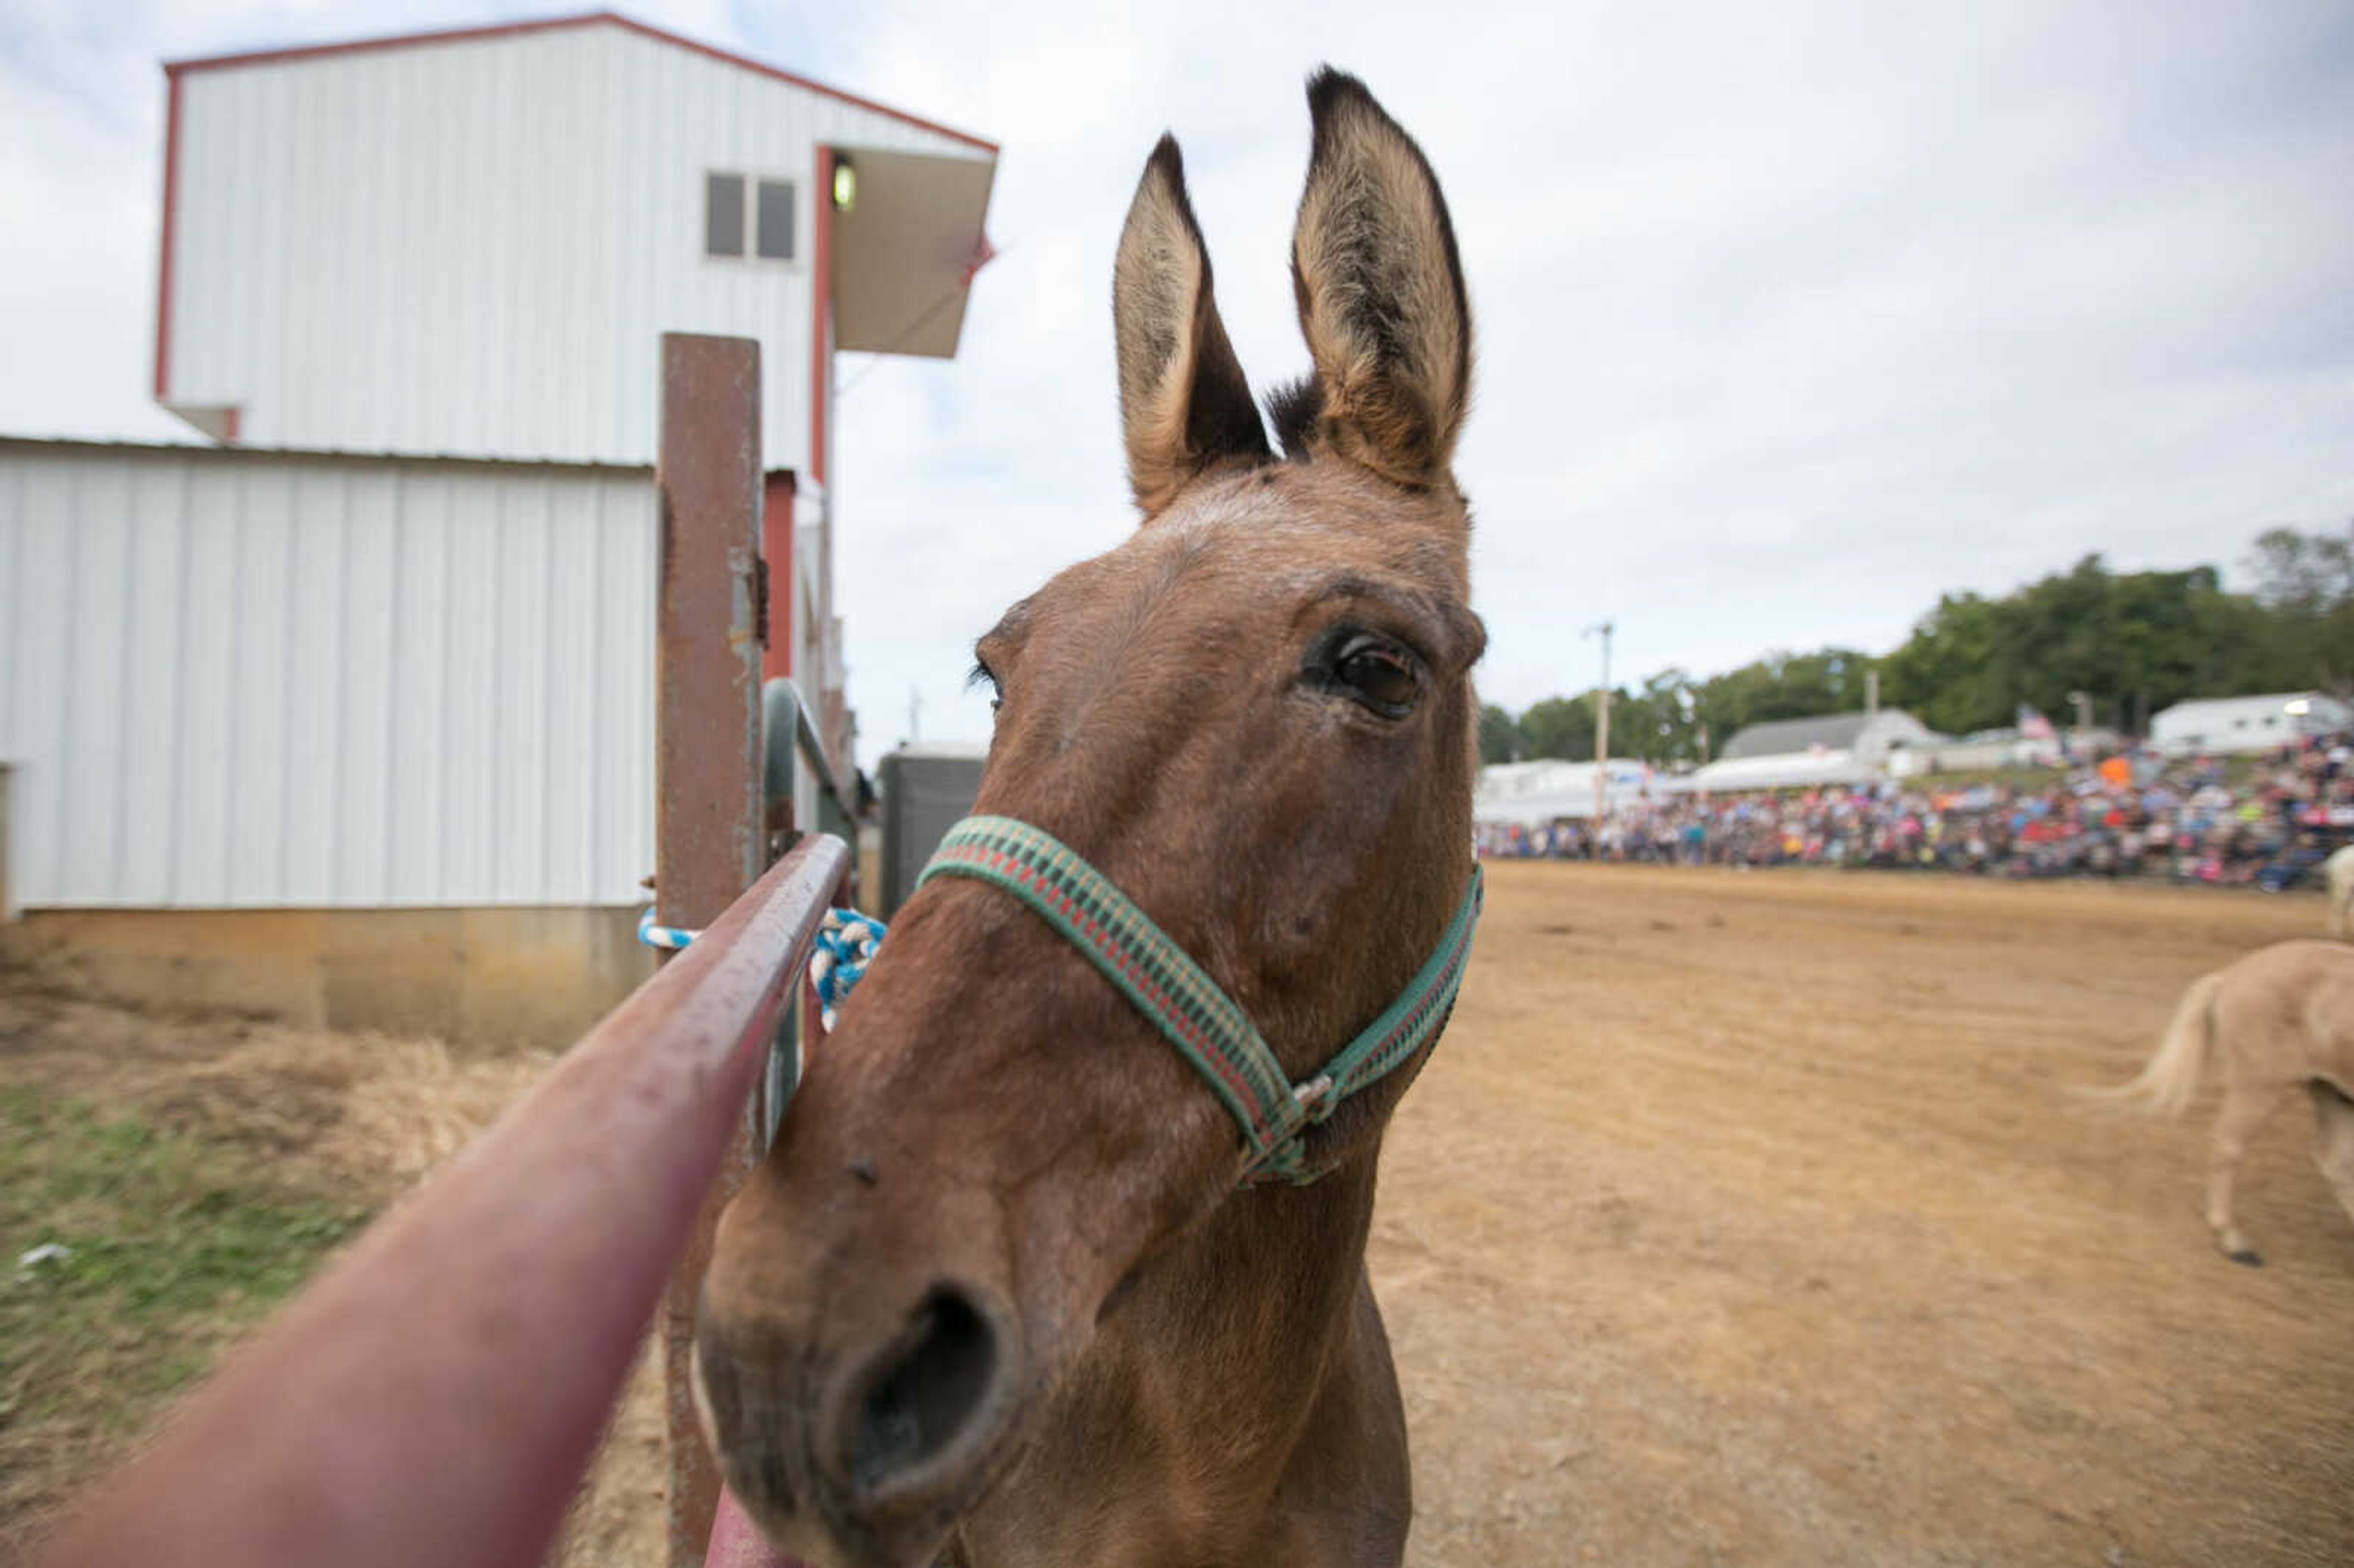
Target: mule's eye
x: 1378, y: 674
x: 981, y: 674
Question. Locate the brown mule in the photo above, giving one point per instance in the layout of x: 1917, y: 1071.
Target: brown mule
x: 2278, y: 1021
x: 995, y: 1294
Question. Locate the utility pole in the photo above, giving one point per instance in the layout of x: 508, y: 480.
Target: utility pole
x: 2083, y: 736
x: 1601, y: 728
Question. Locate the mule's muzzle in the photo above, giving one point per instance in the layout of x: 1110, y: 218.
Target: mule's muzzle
x: 861, y: 1453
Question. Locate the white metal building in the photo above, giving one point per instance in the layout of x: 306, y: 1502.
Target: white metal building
x: 469, y: 243
x: 2228, y: 725
x: 422, y: 674
x: 1831, y: 748
x: 385, y: 652
x: 245, y: 679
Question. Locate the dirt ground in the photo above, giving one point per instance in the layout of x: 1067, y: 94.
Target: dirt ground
x: 1752, y: 1219
x: 1741, y: 1219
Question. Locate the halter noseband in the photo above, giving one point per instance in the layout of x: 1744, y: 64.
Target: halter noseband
x: 1205, y: 1024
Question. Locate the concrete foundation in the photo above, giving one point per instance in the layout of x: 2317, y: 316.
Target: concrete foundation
x: 496, y: 976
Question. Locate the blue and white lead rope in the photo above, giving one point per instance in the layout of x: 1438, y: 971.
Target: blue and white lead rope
x: 846, y: 944
x: 654, y: 935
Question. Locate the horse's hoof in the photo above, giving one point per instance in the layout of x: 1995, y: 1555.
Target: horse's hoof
x: 2245, y: 1256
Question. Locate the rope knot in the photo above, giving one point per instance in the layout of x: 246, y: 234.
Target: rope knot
x: 846, y: 944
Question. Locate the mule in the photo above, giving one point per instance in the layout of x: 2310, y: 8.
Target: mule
x: 996, y: 1296
x: 2279, y: 1020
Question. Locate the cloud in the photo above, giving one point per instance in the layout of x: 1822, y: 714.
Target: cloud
x: 1788, y: 321
x: 1785, y: 327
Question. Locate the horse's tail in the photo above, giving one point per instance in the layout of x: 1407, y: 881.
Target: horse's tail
x: 2171, y: 1078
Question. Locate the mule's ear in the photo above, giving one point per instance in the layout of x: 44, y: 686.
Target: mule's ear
x: 1184, y: 404
x: 1380, y: 292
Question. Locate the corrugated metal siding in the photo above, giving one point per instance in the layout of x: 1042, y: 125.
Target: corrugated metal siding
x: 473, y: 248
x: 248, y: 679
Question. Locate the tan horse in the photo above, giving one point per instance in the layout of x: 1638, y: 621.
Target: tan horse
x: 2279, y: 1020
x: 995, y: 1295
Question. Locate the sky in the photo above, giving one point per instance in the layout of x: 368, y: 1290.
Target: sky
x: 1789, y: 320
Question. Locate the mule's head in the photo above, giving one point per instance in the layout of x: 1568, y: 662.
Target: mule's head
x: 1255, y: 716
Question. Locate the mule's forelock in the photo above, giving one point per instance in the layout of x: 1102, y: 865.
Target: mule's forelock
x: 1381, y: 294
x: 1184, y: 404
x: 1294, y: 408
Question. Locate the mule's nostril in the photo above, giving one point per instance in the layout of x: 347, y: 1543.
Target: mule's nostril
x: 919, y: 1405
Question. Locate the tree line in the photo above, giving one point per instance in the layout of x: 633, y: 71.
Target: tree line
x: 2133, y: 643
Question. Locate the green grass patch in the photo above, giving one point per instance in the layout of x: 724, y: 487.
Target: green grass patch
x: 173, y: 1246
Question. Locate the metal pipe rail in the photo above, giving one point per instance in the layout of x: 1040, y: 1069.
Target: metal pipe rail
x: 436, y: 1395
x: 786, y: 728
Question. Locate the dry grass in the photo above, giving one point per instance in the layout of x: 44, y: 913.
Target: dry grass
x: 200, y: 1165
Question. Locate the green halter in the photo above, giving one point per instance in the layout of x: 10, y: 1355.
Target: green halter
x: 1203, y: 1022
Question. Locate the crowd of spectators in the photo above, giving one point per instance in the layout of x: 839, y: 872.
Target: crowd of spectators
x: 2127, y: 814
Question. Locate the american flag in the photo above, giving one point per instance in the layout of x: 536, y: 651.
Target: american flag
x: 2033, y: 726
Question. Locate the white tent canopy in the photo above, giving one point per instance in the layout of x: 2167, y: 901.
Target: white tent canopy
x: 1528, y: 793
x: 1525, y: 794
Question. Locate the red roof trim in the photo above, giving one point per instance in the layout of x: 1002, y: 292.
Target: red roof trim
x: 391, y: 41
x: 551, y: 24
x: 821, y: 314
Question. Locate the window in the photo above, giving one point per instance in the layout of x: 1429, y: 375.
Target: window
x: 723, y: 215
x: 776, y: 226
x: 729, y: 200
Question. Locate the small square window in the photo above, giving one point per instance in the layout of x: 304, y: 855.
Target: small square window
x: 775, y: 238
x: 723, y: 215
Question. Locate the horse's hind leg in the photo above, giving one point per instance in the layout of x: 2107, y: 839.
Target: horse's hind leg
x: 2333, y: 1140
x: 2246, y: 1107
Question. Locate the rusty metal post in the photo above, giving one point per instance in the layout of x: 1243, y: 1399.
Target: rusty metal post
x: 708, y: 837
